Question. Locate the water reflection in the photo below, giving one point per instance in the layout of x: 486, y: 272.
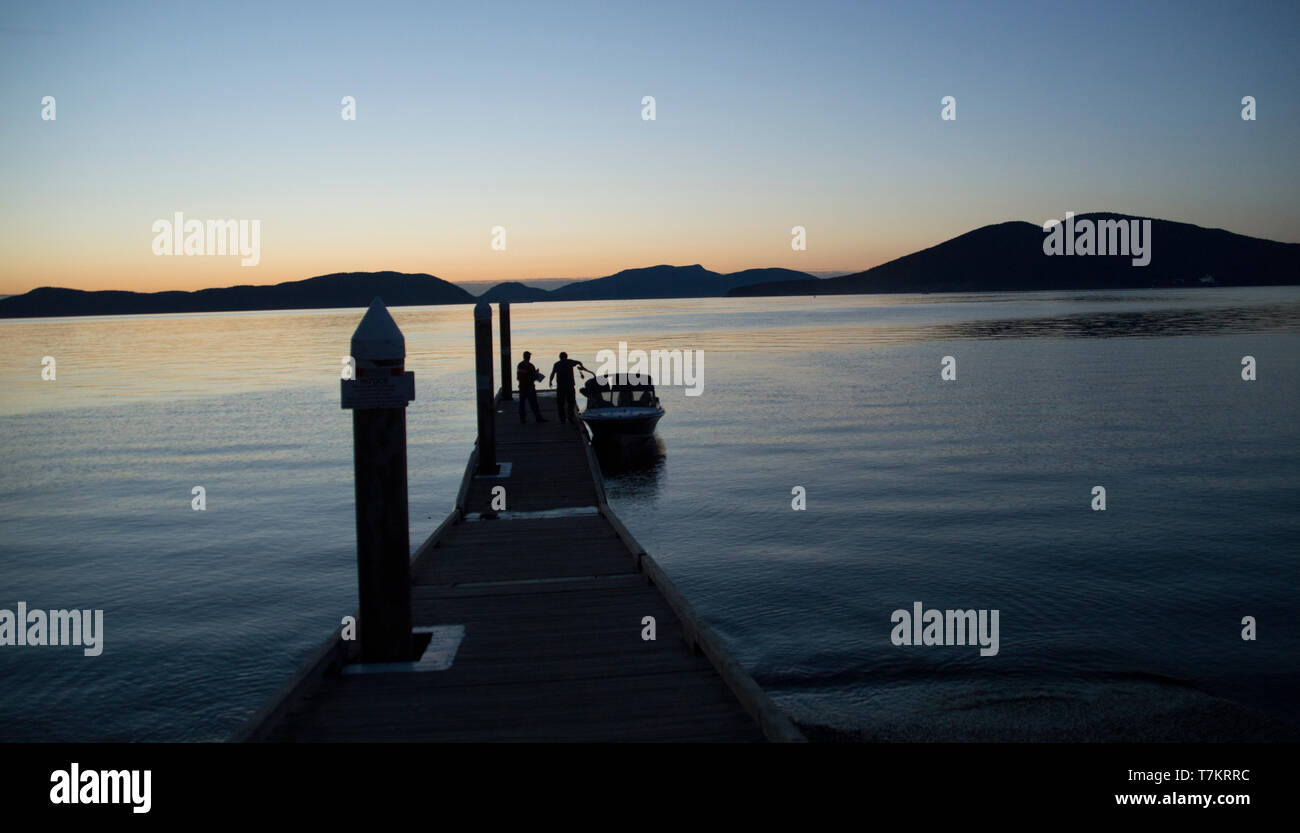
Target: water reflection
x: 633, y: 466
x: 1154, y: 323
x: 118, y: 359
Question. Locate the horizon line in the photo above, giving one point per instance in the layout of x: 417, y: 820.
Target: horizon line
x: 821, y: 274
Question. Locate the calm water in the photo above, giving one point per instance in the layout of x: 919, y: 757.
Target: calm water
x: 973, y: 494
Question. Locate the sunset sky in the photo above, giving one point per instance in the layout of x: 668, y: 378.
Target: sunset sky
x: 528, y: 116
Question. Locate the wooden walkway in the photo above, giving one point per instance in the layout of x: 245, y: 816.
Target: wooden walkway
x: 551, y: 607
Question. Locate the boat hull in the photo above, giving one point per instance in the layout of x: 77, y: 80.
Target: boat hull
x: 630, y: 422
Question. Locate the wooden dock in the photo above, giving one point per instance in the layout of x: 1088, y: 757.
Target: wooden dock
x: 551, y: 595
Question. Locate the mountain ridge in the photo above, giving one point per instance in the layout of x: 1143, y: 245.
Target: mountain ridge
x: 1009, y: 256
x: 339, y: 289
x: 999, y: 257
x: 357, y: 289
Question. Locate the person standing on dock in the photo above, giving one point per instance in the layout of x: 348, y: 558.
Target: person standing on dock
x: 528, y: 376
x: 566, y: 401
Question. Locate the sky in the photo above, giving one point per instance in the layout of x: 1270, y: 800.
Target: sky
x: 528, y: 116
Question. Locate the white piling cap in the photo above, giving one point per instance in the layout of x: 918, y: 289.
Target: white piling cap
x: 377, y: 336
x: 482, y: 311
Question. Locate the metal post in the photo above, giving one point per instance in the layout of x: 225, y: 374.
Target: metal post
x: 506, y: 376
x: 379, y: 461
x: 487, y: 442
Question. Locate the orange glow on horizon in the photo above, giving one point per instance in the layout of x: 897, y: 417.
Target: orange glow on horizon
x: 89, y: 270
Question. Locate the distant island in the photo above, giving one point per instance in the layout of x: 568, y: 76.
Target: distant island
x: 996, y: 258
x: 1010, y: 257
x: 652, y: 282
x: 351, y: 289
x: 358, y: 289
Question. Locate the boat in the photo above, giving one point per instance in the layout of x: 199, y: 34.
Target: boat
x: 624, y: 405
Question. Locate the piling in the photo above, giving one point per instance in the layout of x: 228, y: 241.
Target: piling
x: 487, y: 446
x: 377, y: 398
x: 506, y: 376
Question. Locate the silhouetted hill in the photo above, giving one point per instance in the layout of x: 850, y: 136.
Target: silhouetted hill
x: 668, y: 282
x: 514, y: 292
x: 1009, y: 256
x: 351, y: 289
x: 750, y: 277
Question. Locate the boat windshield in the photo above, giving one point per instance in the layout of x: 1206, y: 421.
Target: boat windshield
x: 622, y: 391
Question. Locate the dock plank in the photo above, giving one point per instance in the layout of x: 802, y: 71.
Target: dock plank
x: 552, y: 610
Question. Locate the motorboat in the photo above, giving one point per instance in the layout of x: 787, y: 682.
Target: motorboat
x: 621, y: 405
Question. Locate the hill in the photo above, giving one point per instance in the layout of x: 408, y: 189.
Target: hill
x: 650, y: 282
x: 669, y: 282
x: 514, y: 292
x: 342, y: 290
x: 1009, y: 256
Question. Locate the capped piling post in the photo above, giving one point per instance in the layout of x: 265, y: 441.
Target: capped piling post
x: 506, y: 376
x: 487, y: 441
x: 378, y: 396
